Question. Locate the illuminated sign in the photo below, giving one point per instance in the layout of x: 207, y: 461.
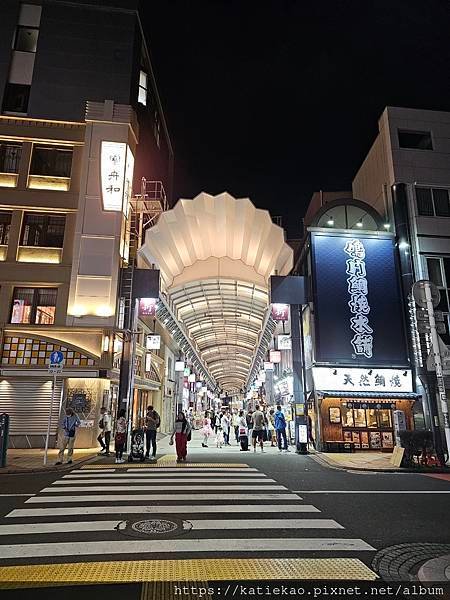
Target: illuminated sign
x: 147, y: 307
x: 275, y: 356
x: 113, y: 162
x: 153, y: 342
x: 358, y: 315
x: 268, y: 366
x: 280, y: 312
x: 187, y: 371
x: 179, y: 366
x: 353, y: 379
x: 284, y: 342
x: 148, y: 362
x: 128, y: 186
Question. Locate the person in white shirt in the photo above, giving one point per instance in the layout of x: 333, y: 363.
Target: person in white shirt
x: 105, y: 427
x: 235, y: 423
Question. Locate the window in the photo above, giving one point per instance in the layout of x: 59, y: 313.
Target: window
x: 439, y: 274
x: 415, y: 140
x: 143, y: 88
x: 10, y: 157
x: 432, y: 202
x: 26, y: 39
x: 45, y: 231
x: 53, y: 161
x: 16, y: 98
x: 34, y: 305
x: 5, y: 225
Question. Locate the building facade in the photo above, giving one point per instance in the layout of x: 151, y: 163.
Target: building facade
x: 406, y: 177
x: 81, y: 124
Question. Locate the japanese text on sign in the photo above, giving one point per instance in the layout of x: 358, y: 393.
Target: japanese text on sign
x: 113, y: 174
x: 362, y: 341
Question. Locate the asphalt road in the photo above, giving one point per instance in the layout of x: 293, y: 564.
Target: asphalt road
x: 381, y: 510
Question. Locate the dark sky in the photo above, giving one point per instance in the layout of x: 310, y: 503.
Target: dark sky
x: 276, y: 99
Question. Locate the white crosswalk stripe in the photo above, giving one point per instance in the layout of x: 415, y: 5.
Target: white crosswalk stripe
x: 94, y: 513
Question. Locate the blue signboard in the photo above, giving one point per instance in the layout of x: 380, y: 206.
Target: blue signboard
x: 357, y: 301
x: 56, y: 357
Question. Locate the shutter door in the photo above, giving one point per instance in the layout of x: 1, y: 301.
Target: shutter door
x: 27, y: 401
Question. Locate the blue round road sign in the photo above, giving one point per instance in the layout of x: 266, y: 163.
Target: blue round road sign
x: 56, y: 357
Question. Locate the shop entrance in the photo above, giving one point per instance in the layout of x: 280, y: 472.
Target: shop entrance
x: 368, y: 424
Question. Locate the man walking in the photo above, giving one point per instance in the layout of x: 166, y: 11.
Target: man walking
x: 258, y: 421
x: 104, y: 437
x: 70, y: 424
x: 280, y: 428
x: 152, y: 422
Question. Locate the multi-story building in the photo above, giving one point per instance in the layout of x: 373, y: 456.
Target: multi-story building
x: 81, y: 124
x: 406, y: 177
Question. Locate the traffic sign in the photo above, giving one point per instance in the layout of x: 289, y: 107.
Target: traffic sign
x: 56, y: 362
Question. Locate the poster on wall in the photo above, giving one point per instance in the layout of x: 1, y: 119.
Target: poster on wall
x: 357, y: 302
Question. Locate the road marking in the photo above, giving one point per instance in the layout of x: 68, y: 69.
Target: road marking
x: 67, y: 526
x: 131, y: 497
x: 222, y: 524
x: 158, y: 475
x: 171, y: 509
x: 167, y: 480
x: 93, y: 471
x: 176, y: 466
x: 158, y: 488
x: 194, y: 569
x: 13, y: 495
x: 367, y: 492
x: 220, y: 545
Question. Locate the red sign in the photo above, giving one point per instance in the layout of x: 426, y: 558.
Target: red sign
x: 280, y: 312
x: 147, y: 307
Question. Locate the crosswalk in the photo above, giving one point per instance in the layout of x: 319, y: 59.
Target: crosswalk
x: 169, y: 513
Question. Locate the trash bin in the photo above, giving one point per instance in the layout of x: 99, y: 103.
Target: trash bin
x: 4, y: 434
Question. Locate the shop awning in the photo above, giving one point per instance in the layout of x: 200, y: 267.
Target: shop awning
x: 368, y: 395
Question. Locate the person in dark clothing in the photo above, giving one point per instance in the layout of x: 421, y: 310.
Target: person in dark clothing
x: 152, y: 422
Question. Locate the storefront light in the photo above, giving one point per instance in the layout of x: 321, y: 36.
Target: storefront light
x: 106, y: 343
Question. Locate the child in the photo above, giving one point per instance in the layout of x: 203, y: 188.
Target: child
x: 219, y: 437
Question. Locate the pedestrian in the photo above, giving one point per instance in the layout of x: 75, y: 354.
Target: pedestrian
x: 310, y: 433
x: 206, y: 430
x: 105, y: 427
x: 69, y: 426
x: 216, y: 422
x: 271, y: 428
x: 182, y: 433
x: 280, y: 428
x: 226, y: 428
x: 219, y: 438
x: 152, y: 422
x: 121, y: 436
x: 243, y: 431
x: 235, y: 423
x: 249, y: 420
x: 258, y: 421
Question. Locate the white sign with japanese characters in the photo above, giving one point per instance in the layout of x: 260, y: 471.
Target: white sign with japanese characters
x: 362, y: 340
x: 352, y: 379
x: 113, y: 155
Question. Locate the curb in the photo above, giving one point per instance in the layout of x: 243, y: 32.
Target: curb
x: 52, y: 469
x: 326, y: 462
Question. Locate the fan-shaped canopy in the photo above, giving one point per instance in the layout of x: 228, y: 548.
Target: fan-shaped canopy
x: 216, y: 254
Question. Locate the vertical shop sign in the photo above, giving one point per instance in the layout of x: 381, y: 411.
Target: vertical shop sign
x: 362, y: 341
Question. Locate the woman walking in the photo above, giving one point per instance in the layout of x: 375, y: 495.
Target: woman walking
x: 206, y: 430
x: 121, y: 435
x: 181, y: 431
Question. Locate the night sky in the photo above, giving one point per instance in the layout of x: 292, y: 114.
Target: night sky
x: 276, y: 99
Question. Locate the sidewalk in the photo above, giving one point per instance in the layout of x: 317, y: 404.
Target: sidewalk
x: 368, y: 461
x: 32, y: 460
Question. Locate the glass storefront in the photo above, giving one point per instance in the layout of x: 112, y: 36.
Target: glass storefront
x: 368, y: 425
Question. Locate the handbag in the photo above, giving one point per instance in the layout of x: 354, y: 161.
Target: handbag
x: 189, y: 436
x: 171, y: 442
x: 71, y: 433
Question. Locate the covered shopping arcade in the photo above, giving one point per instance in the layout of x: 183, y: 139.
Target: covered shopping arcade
x: 216, y: 255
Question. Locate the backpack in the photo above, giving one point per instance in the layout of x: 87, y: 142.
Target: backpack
x: 101, y: 424
x: 158, y: 420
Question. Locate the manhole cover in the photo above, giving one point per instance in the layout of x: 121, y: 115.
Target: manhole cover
x: 154, y: 528
x: 150, y: 526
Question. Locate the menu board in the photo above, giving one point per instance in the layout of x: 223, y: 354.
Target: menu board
x: 375, y: 440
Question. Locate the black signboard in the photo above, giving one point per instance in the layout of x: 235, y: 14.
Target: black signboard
x: 357, y: 301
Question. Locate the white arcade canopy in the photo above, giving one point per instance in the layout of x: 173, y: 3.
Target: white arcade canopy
x: 216, y: 254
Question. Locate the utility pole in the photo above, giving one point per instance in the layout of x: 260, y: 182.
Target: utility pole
x: 300, y: 406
